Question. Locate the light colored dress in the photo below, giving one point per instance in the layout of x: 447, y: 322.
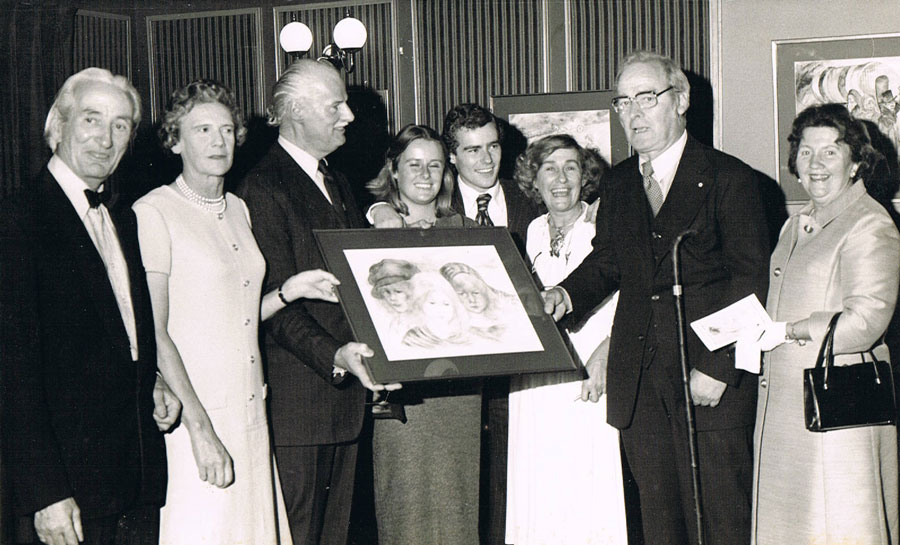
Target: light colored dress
x: 564, y: 478
x: 836, y: 487
x: 215, y: 275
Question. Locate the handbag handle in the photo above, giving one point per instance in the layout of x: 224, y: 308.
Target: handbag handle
x: 826, y: 353
x: 862, y: 356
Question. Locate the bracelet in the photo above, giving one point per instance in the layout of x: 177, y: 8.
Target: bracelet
x: 791, y: 333
x: 281, y: 296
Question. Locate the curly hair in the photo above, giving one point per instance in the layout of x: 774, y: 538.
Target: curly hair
x: 467, y: 116
x: 527, y: 164
x: 183, y: 100
x: 65, y: 100
x: 384, y: 186
x: 850, y: 131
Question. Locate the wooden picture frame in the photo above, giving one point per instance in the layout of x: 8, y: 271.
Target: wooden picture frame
x: 587, y: 116
x: 858, y: 71
x: 442, y: 303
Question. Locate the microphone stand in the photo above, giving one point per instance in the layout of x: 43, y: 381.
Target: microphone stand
x: 685, y: 378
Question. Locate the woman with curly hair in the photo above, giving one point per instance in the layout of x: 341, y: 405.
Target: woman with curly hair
x: 205, y: 274
x: 580, y: 501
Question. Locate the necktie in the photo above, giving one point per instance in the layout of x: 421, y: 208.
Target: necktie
x: 333, y: 192
x: 483, y: 218
x: 95, y: 199
x: 104, y: 236
x: 651, y: 188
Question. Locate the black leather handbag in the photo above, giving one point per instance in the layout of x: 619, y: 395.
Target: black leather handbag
x: 847, y: 396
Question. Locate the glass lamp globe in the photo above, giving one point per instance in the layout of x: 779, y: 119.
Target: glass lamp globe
x: 350, y: 34
x: 295, y: 37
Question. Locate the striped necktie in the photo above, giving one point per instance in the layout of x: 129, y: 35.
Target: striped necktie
x: 651, y: 188
x: 483, y: 218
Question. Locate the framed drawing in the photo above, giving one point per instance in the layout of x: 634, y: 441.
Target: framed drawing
x: 586, y: 116
x: 861, y: 72
x: 442, y: 303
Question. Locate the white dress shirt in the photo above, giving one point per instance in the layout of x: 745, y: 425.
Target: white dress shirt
x: 665, y: 166
x: 496, y: 206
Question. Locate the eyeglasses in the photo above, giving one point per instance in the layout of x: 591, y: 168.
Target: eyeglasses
x: 645, y: 100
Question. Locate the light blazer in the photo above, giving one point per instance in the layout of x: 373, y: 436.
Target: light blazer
x: 301, y: 339
x: 714, y: 195
x: 77, y: 417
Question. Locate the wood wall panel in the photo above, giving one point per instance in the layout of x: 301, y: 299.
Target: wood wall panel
x: 224, y: 46
x: 374, y: 63
x: 469, y: 50
x: 102, y: 40
x: 603, y: 32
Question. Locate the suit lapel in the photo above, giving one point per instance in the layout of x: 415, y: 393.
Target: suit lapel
x: 638, y: 228
x: 72, y: 245
x: 688, y: 193
x: 307, y: 193
x: 516, y: 208
x: 456, y: 200
x: 126, y: 228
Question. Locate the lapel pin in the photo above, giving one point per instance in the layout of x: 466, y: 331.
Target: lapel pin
x: 700, y: 184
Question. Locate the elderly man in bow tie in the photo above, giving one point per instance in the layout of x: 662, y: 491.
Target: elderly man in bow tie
x: 80, y: 391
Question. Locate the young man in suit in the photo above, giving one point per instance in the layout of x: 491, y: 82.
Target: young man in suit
x: 674, y: 184
x: 316, y: 409
x: 473, y: 136
x: 80, y: 389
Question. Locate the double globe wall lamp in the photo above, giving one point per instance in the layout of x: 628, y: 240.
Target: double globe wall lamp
x: 349, y: 37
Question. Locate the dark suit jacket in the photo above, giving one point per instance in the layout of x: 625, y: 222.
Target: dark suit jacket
x: 715, y: 195
x: 301, y: 339
x: 520, y: 210
x: 77, y: 411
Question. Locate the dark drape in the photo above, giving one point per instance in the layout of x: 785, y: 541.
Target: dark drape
x: 35, y: 60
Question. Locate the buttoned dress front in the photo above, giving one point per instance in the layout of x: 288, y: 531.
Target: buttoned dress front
x: 836, y: 487
x: 215, y: 272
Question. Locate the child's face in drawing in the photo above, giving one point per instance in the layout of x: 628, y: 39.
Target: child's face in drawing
x: 396, y: 296
x: 438, y: 307
x: 472, y: 292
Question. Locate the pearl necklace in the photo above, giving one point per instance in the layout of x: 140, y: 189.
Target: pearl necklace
x: 215, y: 205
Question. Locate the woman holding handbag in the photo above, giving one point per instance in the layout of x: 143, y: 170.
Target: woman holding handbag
x: 839, y: 253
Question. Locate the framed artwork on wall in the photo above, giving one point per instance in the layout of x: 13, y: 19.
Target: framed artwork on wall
x: 586, y: 116
x: 442, y: 303
x: 861, y: 72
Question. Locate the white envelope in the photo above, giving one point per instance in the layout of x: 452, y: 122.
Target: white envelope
x: 724, y: 326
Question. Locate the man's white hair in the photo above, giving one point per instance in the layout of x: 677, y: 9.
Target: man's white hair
x: 296, y: 84
x: 65, y: 100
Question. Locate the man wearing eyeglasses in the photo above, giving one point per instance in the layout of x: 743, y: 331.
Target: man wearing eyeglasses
x: 674, y: 184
